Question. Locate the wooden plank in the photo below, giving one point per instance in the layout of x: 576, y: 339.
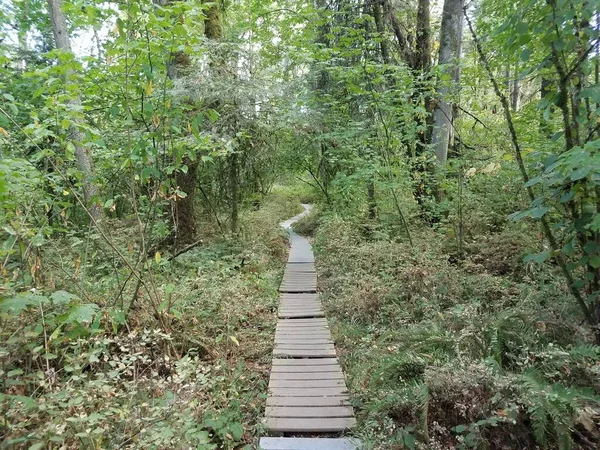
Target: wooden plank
x: 304, y: 353
x: 295, y: 322
x: 295, y: 309
x: 304, y: 369
x: 303, y: 337
x: 305, y: 362
x: 303, y: 330
x: 318, y: 333
x: 308, y: 425
x: 297, y: 288
x: 305, y: 303
x: 290, y: 315
x: 296, y: 297
x: 290, y: 443
x: 312, y: 384
x: 309, y: 411
x: 337, y: 375
x: 299, y: 340
x: 321, y: 335
x: 301, y: 267
x: 333, y: 400
x: 320, y: 348
x: 317, y: 322
x: 305, y: 346
x: 302, y: 322
x: 300, y: 309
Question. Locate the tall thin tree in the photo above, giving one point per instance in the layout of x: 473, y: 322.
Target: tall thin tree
x: 449, y: 56
x: 83, y: 157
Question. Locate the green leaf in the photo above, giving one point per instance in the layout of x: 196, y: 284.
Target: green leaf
x: 538, y: 213
x: 459, y: 428
x: 526, y: 54
x: 594, y: 261
x: 62, y: 297
x: 82, y: 313
x: 237, y: 431
x: 409, y: 441
x: 521, y: 28
x: 21, y: 301
x: 537, y: 257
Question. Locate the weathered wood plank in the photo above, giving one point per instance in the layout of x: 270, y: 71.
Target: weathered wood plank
x: 319, y: 332
x: 308, y: 392
x: 291, y: 306
x: 309, y: 411
x: 305, y: 362
x: 306, y: 345
x: 296, y: 340
x: 334, y: 375
x: 307, y: 425
x: 299, y: 297
x: 304, y: 369
x: 289, y: 315
x: 333, y: 400
x: 312, y: 384
x: 302, y: 323
x: 304, y: 353
x: 286, y: 443
x: 320, y: 335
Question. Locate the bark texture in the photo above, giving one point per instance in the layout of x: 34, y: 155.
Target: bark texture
x: 83, y: 157
x: 449, y: 56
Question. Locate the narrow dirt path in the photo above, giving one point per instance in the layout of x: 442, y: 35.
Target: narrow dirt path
x: 307, y: 390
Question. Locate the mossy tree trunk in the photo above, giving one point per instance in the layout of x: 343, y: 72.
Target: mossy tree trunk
x: 83, y: 157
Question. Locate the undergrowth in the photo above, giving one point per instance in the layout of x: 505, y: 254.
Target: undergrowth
x: 447, y: 352
x: 83, y: 369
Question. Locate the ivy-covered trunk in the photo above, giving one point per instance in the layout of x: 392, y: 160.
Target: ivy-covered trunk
x: 83, y: 157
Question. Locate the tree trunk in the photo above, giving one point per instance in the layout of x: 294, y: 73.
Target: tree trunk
x: 233, y: 187
x: 449, y: 55
x: 383, y: 45
x: 83, y: 158
x: 185, y: 208
x: 514, y: 94
x: 423, y: 41
x: 372, y: 202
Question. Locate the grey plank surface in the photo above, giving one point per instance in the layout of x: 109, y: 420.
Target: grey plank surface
x: 332, y: 400
x: 306, y: 383
x: 299, y: 340
x: 309, y: 411
x: 333, y: 375
x: 310, y: 425
x: 299, y: 297
x: 286, y: 443
x: 307, y: 390
x: 305, y: 362
x: 304, y: 369
x: 300, y: 314
x: 324, y: 353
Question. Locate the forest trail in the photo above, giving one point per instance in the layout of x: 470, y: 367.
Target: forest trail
x: 307, y: 391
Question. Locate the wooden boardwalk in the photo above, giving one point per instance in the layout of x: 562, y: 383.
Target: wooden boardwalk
x: 307, y: 391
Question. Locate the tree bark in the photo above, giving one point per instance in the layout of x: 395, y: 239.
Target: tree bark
x: 423, y: 41
x: 187, y: 181
x: 83, y: 157
x: 515, y: 94
x: 234, y: 191
x: 449, y: 55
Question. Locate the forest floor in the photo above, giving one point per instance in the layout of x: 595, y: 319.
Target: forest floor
x: 441, y: 351
x: 448, y: 352
x: 195, y: 378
